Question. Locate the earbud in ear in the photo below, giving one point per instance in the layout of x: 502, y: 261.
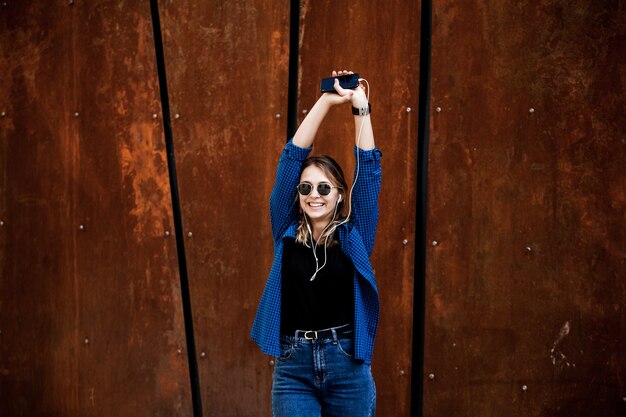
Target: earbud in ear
x: 340, y: 198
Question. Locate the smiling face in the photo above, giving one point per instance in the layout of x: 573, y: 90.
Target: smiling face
x: 319, y: 208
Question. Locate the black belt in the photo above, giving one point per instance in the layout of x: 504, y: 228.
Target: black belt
x: 326, y: 333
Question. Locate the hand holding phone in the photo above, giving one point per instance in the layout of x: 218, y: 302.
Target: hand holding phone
x: 348, y: 81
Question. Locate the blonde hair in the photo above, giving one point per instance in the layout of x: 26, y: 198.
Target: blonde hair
x: 333, y: 171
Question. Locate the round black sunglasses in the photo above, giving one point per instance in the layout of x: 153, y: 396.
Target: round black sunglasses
x: 323, y: 188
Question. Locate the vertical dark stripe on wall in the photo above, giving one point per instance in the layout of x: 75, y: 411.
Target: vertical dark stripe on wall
x: 294, y: 48
x: 419, y: 297
x: 176, y: 211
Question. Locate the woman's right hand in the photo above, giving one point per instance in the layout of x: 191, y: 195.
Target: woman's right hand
x: 342, y: 95
x: 356, y: 96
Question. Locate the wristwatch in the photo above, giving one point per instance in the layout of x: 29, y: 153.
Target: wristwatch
x: 362, y: 111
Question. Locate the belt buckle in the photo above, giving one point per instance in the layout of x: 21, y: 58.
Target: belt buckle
x: 310, y: 337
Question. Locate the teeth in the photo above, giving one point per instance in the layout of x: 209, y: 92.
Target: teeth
x: 316, y: 204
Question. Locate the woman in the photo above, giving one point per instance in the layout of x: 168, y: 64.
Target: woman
x: 319, y: 311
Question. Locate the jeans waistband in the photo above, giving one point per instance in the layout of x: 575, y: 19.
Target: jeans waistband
x: 338, y: 332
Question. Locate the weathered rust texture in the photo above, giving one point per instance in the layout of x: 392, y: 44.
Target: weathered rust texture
x: 89, y: 293
x: 525, y: 285
x: 227, y: 66
x: 381, y: 43
x: 34, y: 197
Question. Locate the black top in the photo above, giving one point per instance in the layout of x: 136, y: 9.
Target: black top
x: 327, y: 301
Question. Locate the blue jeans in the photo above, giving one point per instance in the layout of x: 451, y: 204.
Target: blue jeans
x: 320, y: 377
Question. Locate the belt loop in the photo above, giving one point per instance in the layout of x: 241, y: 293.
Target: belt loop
x: 334, y: 334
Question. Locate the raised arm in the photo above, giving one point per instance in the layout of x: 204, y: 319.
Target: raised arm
x: 305, y: 135
x: 363, y: 133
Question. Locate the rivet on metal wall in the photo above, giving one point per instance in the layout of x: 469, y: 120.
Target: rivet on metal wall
x: 271, y: 362
x: 179, y: 351
x: 524, y: 387
x: 408, y: 110
x: 203, y: 354
x: 76, y: 114
x: 304, y: 111
x: 529, y: 249
x: 81, y: 227
x: 86, y: 341
x: 438, y: 109
x: 70, y: 2
x: 277, y: 115
x: 402, y: 373
x: 177, y: 116
x: 1, y: 222
x: 189, y: 234
x: 431, y: 376
x: 155, y: 116
x: 405, y: 242
x: 2, y: 114
x: 435, y: 243
x: 167, y: 233
x: 531, y: 110
x: 623, y: 398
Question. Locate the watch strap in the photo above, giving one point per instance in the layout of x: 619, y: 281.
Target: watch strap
x: 362, y: 111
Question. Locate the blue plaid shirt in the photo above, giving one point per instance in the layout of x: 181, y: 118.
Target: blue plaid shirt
x: 355, y: 237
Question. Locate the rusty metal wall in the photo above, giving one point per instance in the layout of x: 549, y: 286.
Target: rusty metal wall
x: 90, y: 316
x: 527, y: 202
x: 525, y: 261
x: 115, y: 292
x: 229, y: 90
x: 227, y: 66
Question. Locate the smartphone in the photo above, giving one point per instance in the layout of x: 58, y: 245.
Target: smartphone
x: 345, y: 81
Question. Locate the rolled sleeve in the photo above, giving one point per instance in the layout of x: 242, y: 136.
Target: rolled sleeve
x: 373, y: 155
x: 294, y: 152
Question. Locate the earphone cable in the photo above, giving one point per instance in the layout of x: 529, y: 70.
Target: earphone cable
x: 325, y: 234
